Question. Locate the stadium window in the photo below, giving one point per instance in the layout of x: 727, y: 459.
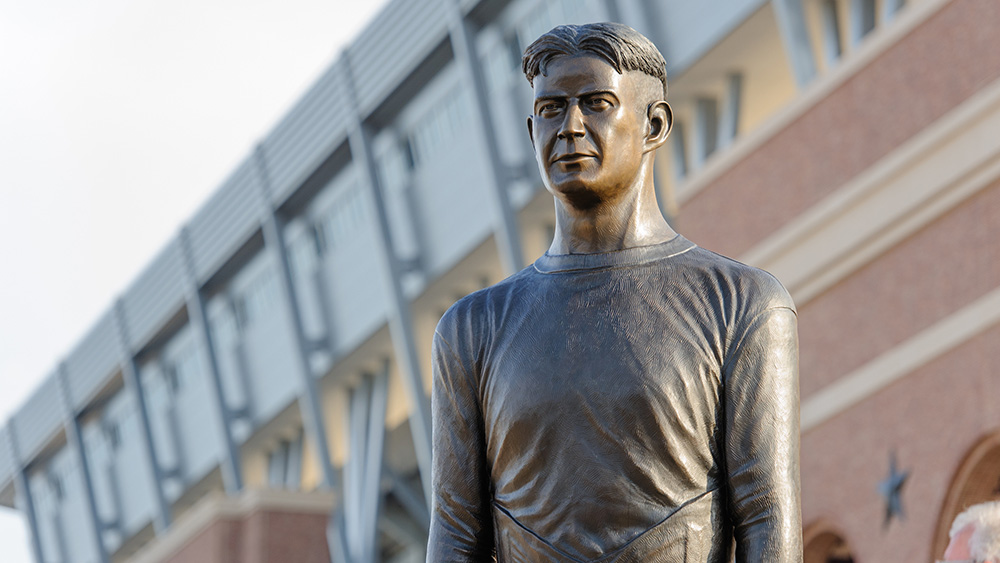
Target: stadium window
x: 171, y: 379
x: 862, y: 19
x: 181, y: 369
x: 56, y: 484
x: 303, y: 253
x: 550, y: 13
x: 680, y: 150
x: 284, y: 465
x: 394, y: 167
x: 225, y: 326
x: 112, y: 430
x: 707, y: 125
x: 831, y: 32
x: 502, y: 64
x: 341, y: 221
x: 438, y: 127
x: 257, y: 300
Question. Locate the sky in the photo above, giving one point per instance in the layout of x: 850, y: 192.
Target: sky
x: 118, y: 118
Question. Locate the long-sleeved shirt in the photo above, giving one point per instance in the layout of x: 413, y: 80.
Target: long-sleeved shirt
x: 638, y: 405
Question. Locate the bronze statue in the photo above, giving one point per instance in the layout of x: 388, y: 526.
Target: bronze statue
x: 629, y: 396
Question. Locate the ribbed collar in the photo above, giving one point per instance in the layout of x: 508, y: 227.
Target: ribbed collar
x: 555, y: 263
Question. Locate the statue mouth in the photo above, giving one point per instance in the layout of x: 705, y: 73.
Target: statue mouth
x: 574, y: 158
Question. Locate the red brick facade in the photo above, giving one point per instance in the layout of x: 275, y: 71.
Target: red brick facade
x: 932, y: 418
x: 934, y: 68
x: 263, y: 536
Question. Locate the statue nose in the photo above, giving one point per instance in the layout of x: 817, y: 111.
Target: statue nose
x: 572, y: 125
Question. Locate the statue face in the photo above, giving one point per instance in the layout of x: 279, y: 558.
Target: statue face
x: 588, y: 129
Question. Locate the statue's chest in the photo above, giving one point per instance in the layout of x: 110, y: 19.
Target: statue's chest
x: 605, y: 366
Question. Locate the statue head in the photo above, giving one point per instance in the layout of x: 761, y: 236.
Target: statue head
x: 599, y: 112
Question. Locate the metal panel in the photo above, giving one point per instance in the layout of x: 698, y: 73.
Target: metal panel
x: 197, y: 427
x: 392, y: 45
x: 39, y: 418
x: 226, y: 221
x: 355, y: 291
x: 155, y: 296
x: 306, y: 136
x: 267, y: 343
x: 93, y: 361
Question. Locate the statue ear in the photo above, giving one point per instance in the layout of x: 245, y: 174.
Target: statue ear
x: 531, y: 133
x: 660, y: 119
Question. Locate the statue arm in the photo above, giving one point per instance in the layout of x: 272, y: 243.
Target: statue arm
x: 461, y: 514
x: 762, y: 439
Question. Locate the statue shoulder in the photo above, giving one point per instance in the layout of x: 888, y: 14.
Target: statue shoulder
x: 755, y: 288
x: 472, y: 318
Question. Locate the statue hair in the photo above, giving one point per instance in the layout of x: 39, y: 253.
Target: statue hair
x: 619, y: 45
x: 985, y: 542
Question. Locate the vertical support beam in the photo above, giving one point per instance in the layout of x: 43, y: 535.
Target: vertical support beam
x: 795, y: 34
x: 507, y: 233
x: 729, y: 118
x: 74, y: 438
x: 363, y: 472
x: 400, y: 321
x: 336, y: 537
x: 133, y: 385
x: 359, y: 398
x: 375, y: 446
x: 232, y: 465
x: 309, y: 401
x: 22, y: 489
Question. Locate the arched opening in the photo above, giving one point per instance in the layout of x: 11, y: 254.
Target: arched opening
x: 977, y: 480
x: 824, y: 545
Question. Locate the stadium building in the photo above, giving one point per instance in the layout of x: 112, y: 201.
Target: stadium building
x: 259, y: 394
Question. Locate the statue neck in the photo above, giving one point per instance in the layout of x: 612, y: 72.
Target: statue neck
x: 629, y: 221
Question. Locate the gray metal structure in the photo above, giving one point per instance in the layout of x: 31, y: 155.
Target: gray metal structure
x: 345, y: 217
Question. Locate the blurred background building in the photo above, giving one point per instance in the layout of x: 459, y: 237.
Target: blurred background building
x: 259, y: 393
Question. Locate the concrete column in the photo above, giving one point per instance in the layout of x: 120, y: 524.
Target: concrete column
x: 25, y: 500
x: 507, y: 232
x: 400, y: 322
x: 133, y: 385
x: 74, y: 439
x: 792, y: 23
x: 310, y: 405
x: 232, y: 465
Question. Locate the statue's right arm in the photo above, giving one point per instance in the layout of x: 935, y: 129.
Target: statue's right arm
x: 461, y: 514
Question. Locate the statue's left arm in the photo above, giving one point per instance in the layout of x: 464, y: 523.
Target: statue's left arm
x: 761, y: 396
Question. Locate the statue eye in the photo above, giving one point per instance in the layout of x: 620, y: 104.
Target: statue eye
x: 548, y: 107
x: 598, y: 103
